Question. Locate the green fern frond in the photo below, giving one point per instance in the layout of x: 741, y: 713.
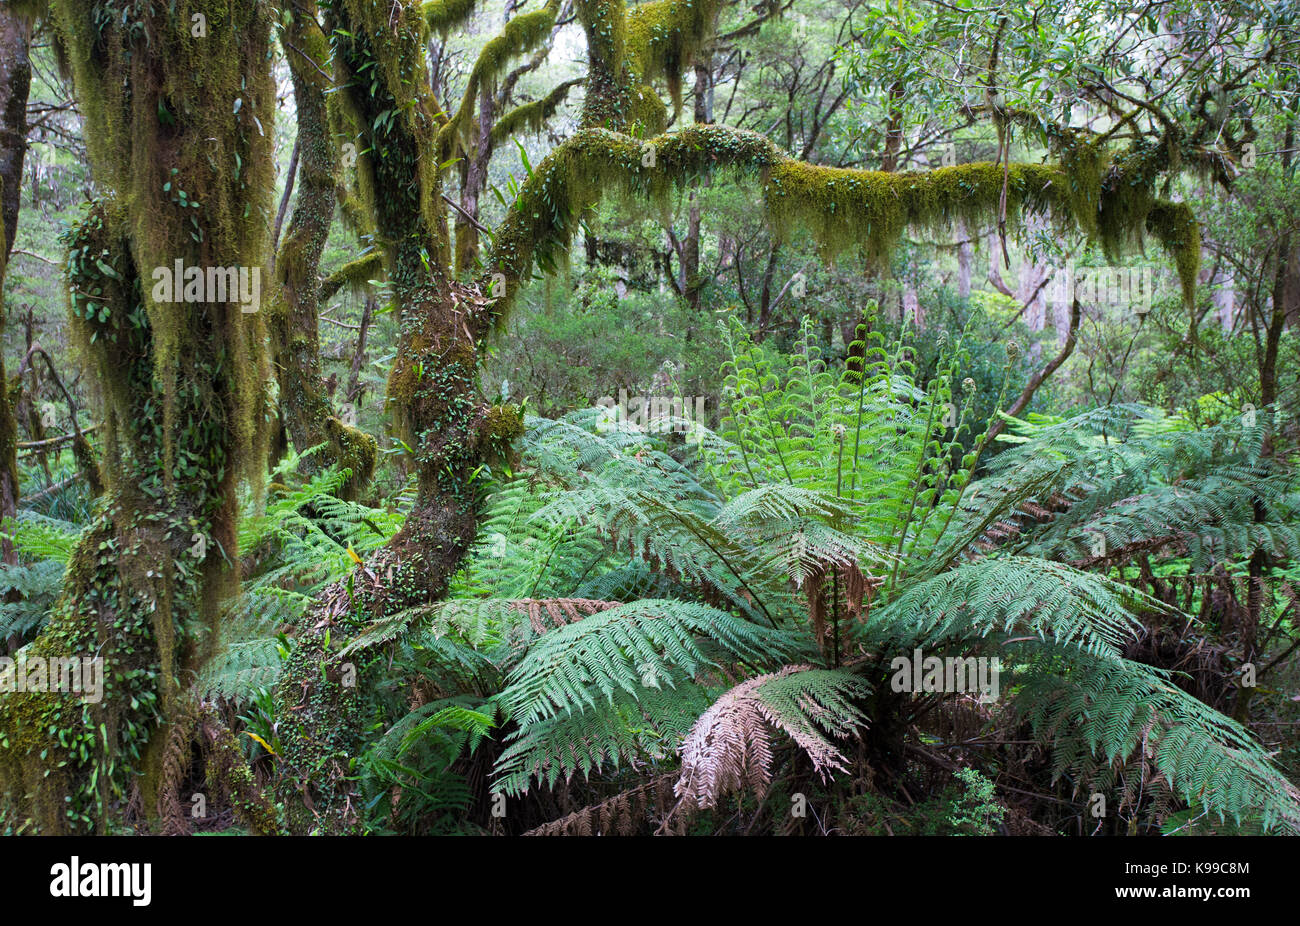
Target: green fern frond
x: 1088, y: 707
x: 632, y: 647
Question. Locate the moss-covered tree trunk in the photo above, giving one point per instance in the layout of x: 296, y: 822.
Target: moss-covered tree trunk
x: 304, y: 403
x: 378, y: 53
x: 473, y: 181
x: 15, y: 84
x: 178, y: 103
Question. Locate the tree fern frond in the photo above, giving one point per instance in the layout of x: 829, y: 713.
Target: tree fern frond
x: 646, y: 644
x: 730, y: 746
x: 479, y: 622
x: 1111, y: 708
x: 41, y: 537
x: 638, y: 729
x: 1052, y: 601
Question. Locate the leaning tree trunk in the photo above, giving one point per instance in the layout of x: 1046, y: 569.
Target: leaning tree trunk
x: 433, y: 387
x: 178, y: 102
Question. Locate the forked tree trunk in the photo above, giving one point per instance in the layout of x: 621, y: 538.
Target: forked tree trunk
x: 432, y: 394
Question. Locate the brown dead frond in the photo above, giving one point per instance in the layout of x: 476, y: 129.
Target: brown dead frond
x: 177, y: 757
x: 730, y: 746
x: 552, y: 613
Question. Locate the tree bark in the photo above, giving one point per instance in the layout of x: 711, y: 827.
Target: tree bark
x: 182, y: 389
x: 305, y: 406
x: 435, y: 405
x: 15, y: 84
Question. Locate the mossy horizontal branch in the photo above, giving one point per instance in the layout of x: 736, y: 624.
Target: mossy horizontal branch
x: 353, y: 275
x: 871, y: 209
x: 446, y: 15
x: 842, y: 208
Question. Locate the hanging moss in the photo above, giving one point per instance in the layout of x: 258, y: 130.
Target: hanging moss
x: 610, y: 98
x: 1083, y: 164
x: 446, y: 15
x: 628, y: 51
x: 378, y: 55
x: 87, y: 465
x: 649, y: 115
x: 870, y: 209
x: 531, y: 117
x: 663, y: 37
x: 840, y: 207
x: 1174, y: 225
x: 866, y: 211
x: 521, y: 34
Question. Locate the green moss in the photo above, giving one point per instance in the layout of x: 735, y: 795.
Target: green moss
x: 866, y: 211
x: 663, y: 37
x: 51, y: 743
x: 227, y: 772
x: 304, y: 403
x: 531, y: 117
x: 432, y: 392
x: 870, y: 209
x: 353, y: 450
x: 521, y: 34
x: 181, y: 385
x: 354, y: 275
x: 1174, y: 225
x: 446, y: 15
x: 318, y: 738
x: 610, y: 98
x: 502, y: 427
x: 87, y: 465
x: 649, y: 115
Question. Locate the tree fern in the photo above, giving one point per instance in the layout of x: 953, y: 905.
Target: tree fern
x: 814, y: 477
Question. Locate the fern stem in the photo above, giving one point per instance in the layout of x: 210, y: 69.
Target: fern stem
x: 979, y: 452
x: 743, y: 584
